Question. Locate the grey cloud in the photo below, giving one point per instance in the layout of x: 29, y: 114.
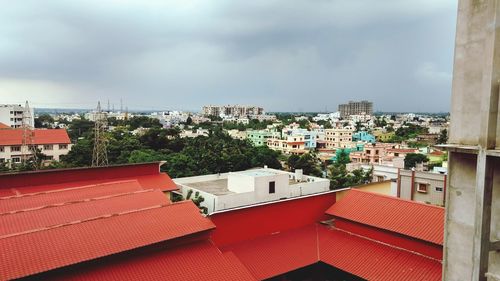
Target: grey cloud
x: 303, y: 55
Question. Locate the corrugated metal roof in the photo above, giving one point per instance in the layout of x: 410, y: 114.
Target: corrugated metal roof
x: 196, y: 261
x: 147, y: 174
x: 34, y: 200
x: 278, y: 253
x: 421, y: 221
x: 46, y: 249
x: 41, y: 136
x: 374, y: 261
x: 48, y: 216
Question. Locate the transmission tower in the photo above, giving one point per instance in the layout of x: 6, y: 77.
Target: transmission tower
x: 100, y: 153
x: 28, y: 146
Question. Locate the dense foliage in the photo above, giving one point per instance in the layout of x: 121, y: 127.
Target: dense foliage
x: 412, y: 159
x: 216, y: 153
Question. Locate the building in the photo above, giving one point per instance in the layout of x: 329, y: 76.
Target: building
x: 339, y: 137
x: 237, y: 189
x: 105, y: 223
x: 363, y: 136
x: 12, y: 115
x: 472, y: 231
x: 117, y: 222
x: 51, y: 142
x: 356, y: 108
x: 425, y: 187
x: 231, y: 110
x: 309, y: 137
x: 352, y: 242
x: 259, y: 137
x: 295, y: 144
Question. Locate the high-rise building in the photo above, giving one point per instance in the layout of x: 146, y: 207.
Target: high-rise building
x: 231, y: 110
x: 12, y: 115
x: 356, y: 108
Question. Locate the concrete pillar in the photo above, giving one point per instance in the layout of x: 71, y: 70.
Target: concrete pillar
x: 473, y: 193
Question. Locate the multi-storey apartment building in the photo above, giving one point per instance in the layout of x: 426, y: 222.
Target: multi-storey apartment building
x: 12, y: 115
x: 339, y: 137
x: 356, y: 108
x: 231, y: 110
x: 289, y: 145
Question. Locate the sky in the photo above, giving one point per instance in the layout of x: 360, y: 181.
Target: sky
x: 182, y: 54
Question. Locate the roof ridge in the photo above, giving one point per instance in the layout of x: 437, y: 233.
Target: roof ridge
x: 66, y: 189
x: 84, y: 220
x: 77, y: 201
x: 396, y: 198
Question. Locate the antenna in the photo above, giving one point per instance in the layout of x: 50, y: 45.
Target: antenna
x: 121, y: 105
x: 108, y: 106
x: 28, y: 147
x: 100, y: 153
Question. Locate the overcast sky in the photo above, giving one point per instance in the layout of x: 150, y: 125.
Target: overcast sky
x: 283, y: 55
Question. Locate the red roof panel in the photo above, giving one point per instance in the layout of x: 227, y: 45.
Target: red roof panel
x: 34, y: 200
x: 417, y: 220
x: 374, y: 261
x: 43, y: 250
x: 41, y: 136
x: 278, y: 253
x: 80, y: 210
x: 147, y: 174
x: 196, y: 261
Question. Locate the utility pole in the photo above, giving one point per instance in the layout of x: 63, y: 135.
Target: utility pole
x: 100, y: 153
x: 28, y: 147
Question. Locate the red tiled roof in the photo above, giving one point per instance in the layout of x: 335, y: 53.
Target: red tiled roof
x: 71, y: 243
x: 147, y: 174
x: 47, y: 216
x: 41, y: 136
x: 34, y: 200
x: 278, y: 253
x: 417, y: 220
x: 374, y: 261
x: 196, y: 261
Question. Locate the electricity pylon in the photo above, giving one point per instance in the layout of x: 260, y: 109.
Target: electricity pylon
x: 100, y: 153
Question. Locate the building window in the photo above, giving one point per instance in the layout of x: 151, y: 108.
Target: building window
x: 272, y: 187
x: 396, y: 154
x: 48, y: 147
x: 63, y: 146
x: 439, y: 189
x: 422, y: 187
x: 2, y: 149
x: 16, y: 159
x: 15, y: 148
x: 380, y: 178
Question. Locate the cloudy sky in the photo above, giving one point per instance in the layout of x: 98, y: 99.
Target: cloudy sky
x: 181, y: 54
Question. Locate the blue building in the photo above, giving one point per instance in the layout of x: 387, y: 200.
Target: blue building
x: 363, y: 136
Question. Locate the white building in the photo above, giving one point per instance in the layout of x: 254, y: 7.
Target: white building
x: 237, y: 189
x: 12, y: 115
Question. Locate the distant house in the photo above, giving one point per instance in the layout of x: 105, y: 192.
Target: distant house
x: 51, y: 142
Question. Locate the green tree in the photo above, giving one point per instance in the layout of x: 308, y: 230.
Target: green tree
x: 412, y: 159
x: 443, y: 137
x: 197, y: 200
